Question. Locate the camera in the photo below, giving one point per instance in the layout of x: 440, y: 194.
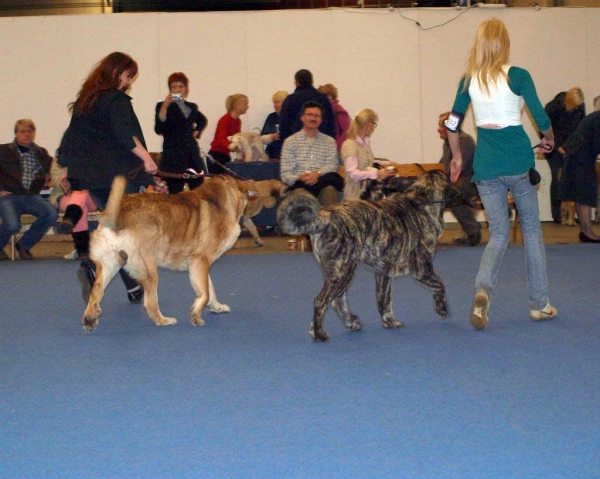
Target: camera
x: 177, y: 96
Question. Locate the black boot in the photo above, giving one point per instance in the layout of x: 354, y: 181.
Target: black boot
x: 82, y: 243
x: 86, y: 274
x: 135, y: 292
x: 72, y: 215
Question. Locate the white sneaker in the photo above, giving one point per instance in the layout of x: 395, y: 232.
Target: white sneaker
x: 479, y: 311
x: 71, y: 255
x: 547, y: 313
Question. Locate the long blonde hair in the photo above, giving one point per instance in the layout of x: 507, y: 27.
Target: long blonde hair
x: 489, y: 54
x: 363, y: 117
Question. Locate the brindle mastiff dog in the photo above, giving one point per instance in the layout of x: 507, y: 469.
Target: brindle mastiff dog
x: 189, y: 230
x: 396, y: 235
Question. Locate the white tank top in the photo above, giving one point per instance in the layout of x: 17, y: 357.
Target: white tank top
x: 501, y: 107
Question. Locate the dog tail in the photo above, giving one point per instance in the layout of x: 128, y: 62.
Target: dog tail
x: 299, y: 213
x: 110, y: 216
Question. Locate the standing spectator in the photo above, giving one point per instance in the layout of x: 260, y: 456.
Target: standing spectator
x: 24, y: 170
x: 503, y: 159
x: 181, y: 124
x: 566, y: 111
x: 271, y: 126
x: 291, y: 110
x: 463, y: 214
x: 309, y: 158
x: 342, y: 119
x: 579, y: 182
x: 104, y: 140
x: 357, y: 155
x: 229, y: 124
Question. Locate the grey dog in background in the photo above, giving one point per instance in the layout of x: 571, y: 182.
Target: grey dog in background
x: 396, y: 236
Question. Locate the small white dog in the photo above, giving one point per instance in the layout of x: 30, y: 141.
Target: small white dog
x: 251, y: 145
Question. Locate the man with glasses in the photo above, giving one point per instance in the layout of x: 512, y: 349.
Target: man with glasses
x: 309, y: 158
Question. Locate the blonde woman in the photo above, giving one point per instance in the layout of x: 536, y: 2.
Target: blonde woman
x: 503, y: 159
x: 565, y: 111
x: 357, y: 154
x: 271, y: 126
x: 229, y: 124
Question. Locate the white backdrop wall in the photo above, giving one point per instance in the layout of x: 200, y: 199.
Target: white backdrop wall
x: 377, y: 58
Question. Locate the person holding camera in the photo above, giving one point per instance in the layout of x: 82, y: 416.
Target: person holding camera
x: 181, y: 124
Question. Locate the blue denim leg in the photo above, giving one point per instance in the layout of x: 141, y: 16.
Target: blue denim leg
x: 494, y: 196
x: 11, y: 218
x: 46, y: 215
x: 526, y: 200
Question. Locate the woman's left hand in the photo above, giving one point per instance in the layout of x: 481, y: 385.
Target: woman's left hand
x: 546, y: 146
x: 150, y: 166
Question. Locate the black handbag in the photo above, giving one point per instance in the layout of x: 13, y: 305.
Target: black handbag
x: 534, y: 176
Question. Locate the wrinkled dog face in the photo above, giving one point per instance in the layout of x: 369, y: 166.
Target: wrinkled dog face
x: 422, y: 186
x: 375, y: 190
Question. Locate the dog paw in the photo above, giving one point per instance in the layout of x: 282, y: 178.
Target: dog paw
x: 196, y: 320
x: 218, y: 308
x: 441, y: 310
x: 355, y: 325
x: 259, y: 242
x: 89, y: 323
x: 165, y: 321
x: 392, y: 323
x: 319, y: 336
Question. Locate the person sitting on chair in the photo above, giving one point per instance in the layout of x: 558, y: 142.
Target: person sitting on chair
x: 309, y: 158
x: 463, y: 214
x: 24, y: 170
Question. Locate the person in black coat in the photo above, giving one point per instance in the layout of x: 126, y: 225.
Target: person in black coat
x: 271, y: 126
x: 105, y: 140
x: 565, y: 111
x: 579, y: 181
x: 181, y: 124
x: 289, y: 118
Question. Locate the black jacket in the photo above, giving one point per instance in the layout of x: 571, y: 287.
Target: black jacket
x: 11, y: 170
x: 97, y: 146
x: 180, y: 148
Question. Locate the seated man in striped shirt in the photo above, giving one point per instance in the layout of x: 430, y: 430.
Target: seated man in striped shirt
x: 309, y: 158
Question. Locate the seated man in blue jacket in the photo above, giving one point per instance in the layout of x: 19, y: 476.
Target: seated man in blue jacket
x: 24, y: 170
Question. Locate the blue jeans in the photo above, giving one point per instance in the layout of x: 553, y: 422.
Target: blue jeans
x: 11, y: 209
x: 494, y: 196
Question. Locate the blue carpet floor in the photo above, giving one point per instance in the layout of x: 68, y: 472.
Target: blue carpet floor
x: 250, y: 395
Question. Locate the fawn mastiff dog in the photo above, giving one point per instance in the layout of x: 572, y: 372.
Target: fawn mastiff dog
x: 396, y: 235
x: 143, y: 231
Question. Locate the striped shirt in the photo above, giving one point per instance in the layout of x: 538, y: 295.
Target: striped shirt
x: 300, y: 154
x: 31, y: 166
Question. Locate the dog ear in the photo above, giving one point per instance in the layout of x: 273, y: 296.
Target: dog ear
x: 416, y: 198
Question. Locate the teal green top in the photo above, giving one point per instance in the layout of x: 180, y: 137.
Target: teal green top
x: 506, y: 151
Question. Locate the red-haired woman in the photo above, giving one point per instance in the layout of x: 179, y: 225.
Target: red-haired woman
x: 181, y: 124
x: 104, y: 140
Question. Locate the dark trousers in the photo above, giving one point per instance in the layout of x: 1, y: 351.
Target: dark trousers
x: 555, y: 161
x: 216, y: 168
